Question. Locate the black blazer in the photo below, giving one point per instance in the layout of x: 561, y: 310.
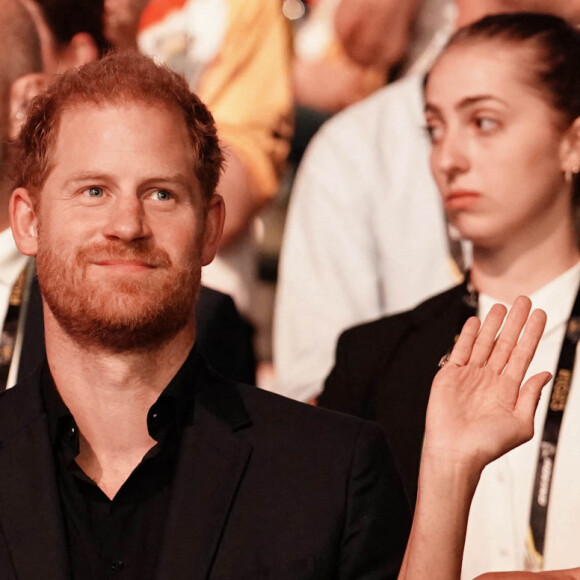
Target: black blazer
x: 223, y: 336
x: 384, y: 370
x: 265, y: 488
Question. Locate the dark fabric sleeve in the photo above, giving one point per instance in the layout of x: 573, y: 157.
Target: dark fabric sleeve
x: 33, y: 348
x: 224, y: 337
x: 339, y: 393
x: 378, y: 518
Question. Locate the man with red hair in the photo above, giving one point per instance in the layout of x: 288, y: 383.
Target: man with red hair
x: 140, y: 460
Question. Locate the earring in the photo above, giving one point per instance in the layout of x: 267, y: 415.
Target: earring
x: 570, y: 174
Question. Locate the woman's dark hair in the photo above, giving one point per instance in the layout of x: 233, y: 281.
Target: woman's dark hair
x: 557, y: 48
x: 554, y: 65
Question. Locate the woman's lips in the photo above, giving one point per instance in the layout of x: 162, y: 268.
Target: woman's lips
x: 461, y: 200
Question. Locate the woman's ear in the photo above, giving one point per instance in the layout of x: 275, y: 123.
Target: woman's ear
x: 24, y: 222
x: 570, y: 149
x: 22, y: 91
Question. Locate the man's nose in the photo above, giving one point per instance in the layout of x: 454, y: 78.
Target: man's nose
x: 127, y: 219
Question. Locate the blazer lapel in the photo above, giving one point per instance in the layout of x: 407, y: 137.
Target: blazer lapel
x: 30, y: 515
x: 210, y: 467
x: 429, y: 334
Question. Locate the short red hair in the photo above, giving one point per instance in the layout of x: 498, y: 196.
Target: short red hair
x: 117, y: 78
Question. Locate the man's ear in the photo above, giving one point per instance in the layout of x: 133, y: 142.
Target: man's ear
x: 82, y: 49
x: 24, y: 222
x: 214, y: 225
x: 22, y: 91
x: 570, y: 149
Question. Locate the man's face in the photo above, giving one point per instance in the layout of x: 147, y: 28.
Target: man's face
x: 471, y: 10
x: 121, y: 234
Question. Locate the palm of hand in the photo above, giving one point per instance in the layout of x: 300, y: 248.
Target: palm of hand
x: 473, y: 414
x: 477, y: 410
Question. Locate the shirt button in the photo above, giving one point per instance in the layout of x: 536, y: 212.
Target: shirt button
x: 117, y: 565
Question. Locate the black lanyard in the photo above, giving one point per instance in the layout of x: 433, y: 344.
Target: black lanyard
x: 536, y: 536
x: 549, y: 444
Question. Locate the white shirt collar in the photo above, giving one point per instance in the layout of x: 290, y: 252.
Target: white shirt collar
x: 556, y: 298
x: 12, y: 262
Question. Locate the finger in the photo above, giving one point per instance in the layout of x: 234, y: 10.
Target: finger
x: 523, y: 353
x: 529, y: 398
x: 486, y: 338
x: 464, y: 344
x: 508, y: 337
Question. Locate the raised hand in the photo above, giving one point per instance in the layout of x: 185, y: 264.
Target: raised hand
x: 477, y: 410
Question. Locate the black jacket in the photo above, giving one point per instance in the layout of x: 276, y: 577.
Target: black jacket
x: 265, y: 488
x: 384, y: 370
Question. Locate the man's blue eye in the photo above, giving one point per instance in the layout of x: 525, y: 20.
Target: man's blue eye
x: 162, y: 195
x: 94, y: 192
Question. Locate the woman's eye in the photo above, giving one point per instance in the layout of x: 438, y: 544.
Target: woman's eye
x: 486, y: 124
x: 161, y: 195
x: 434, y: 132
x: 94, y: 191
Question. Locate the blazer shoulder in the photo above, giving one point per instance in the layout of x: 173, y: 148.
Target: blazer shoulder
x: 375, y: 338
x: 20, y: 405
x: 288, y: 415
x: 365, y: 353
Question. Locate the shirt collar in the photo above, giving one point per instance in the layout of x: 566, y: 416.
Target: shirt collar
x: 12, y: 262
x: 556, y: 298
x: 170, y: 413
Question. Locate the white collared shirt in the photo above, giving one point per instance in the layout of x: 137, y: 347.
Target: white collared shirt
x: 12, y: 263
x: 500, y: 512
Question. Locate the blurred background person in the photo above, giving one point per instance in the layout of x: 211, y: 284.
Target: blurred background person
x: 366, y: 234
x: 502, y: 109
x: 345, y: 50
x: 71, y: 32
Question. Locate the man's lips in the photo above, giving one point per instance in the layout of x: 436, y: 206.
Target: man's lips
x: 461, y: 199
x: 125, y: 265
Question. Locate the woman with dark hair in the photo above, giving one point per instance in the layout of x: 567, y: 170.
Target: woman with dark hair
x: 502, y: 107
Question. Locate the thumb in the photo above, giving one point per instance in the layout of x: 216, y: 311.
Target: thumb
x: 529, y: 397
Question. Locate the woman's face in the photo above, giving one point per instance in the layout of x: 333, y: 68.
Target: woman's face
x: 499, y: 149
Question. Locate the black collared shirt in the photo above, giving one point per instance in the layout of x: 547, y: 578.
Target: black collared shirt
x: 120, y: 538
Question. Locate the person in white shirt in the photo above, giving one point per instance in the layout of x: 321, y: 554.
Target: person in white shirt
x: 365, y: 233
x: 503, y: 114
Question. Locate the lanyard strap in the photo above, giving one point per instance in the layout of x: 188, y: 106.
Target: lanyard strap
x: 547, y: 454
x: 535, y: 539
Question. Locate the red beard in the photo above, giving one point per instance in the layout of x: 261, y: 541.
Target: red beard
x: 119, y: 313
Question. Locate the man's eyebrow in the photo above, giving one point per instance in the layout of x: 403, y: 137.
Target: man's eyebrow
x: 177, y: 178
x: 98, y: 176
x: 88, y: 176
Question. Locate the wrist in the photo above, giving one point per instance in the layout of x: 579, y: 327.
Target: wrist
x: 450, y: 471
